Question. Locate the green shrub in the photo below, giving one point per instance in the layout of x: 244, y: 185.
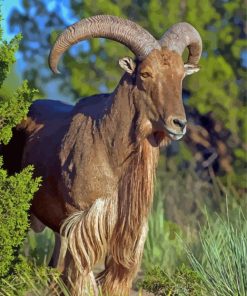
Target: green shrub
x: 13, y: 104
x: 184, y: 282
x: 15, y: 191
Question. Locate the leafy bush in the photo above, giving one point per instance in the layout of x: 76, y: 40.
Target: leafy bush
x: 13, y: 105
x: 15, y: 191
x: 184, y: 282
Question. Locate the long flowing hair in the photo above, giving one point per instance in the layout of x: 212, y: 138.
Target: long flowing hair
x: 113, y: 226
x: 135, y: 196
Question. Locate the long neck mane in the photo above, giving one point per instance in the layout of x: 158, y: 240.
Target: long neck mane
x: 136, y: 160
x: 135, y: 198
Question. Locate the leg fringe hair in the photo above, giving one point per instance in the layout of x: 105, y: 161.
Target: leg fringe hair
x: 88, y: 234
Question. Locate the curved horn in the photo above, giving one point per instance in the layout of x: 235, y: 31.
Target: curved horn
x: 180, y: 36
x: 137, y: 39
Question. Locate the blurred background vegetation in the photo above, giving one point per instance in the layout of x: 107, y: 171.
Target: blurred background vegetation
x: 196, y: 175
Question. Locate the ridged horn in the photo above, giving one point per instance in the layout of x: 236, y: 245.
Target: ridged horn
x: 180, y: 36
x: 137, y: 39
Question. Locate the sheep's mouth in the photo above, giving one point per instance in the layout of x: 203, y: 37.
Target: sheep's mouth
x: 175, y: 136
x: 157, y: 138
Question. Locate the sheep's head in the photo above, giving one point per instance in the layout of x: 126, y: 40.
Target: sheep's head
x: 159, y: 81
x: 158, y: 69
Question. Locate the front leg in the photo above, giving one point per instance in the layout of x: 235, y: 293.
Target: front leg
x: 117, y: 278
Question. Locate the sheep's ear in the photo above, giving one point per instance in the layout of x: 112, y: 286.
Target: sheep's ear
x: 127, y: 64
x: 190, y: 69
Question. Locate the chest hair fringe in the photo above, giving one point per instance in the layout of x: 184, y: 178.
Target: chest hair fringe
x: 115, y: 224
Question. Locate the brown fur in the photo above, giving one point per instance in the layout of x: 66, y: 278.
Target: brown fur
x: 94, y: 234
x: 98, y: 160
x: 134, y: 202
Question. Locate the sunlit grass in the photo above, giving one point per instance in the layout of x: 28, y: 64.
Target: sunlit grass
x: 223, y: 265
x: 42, y: 281
x: 162, y: 247
x: 220, y: 269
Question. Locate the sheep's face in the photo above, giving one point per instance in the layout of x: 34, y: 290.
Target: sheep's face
x: 159, y: 82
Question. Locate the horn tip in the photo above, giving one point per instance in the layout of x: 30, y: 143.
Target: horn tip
x: 54, y: 69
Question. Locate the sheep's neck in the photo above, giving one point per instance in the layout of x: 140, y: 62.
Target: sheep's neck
x: 136, y: 159
x: 120, y: 124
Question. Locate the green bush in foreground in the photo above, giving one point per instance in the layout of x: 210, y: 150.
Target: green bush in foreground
x: 184, y: 282
x: 15, y: 191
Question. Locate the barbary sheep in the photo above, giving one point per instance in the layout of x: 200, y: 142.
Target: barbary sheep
x: 98, y: 158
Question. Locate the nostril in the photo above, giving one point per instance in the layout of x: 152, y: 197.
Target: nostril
x: 180, y: 122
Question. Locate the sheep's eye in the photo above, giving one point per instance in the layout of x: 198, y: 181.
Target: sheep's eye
x: 145, y: 74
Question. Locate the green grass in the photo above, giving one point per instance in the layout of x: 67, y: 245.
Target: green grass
x: 38, y: 281
x: 163, y: 247
x: 38, y: 247
x: 222, y: 267
x: 178, y: 209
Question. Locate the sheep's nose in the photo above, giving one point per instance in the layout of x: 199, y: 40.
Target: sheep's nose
x: 178, y: 122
